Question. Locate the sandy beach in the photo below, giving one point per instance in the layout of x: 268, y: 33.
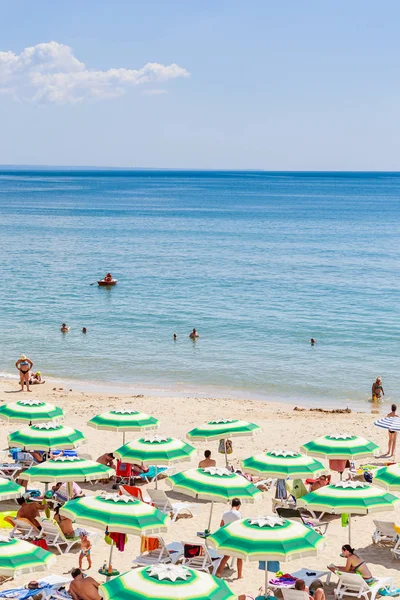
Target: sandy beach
x: 282, y: 428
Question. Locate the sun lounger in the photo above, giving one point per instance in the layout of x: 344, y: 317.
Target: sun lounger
x: 55, y: 537
x: 10, y: 470
x: 47, y: 586
x: 201, y: 557
x: 384, y: 532
x: 164, y: 553
x: 22, y: 528
x: 136, y: 492
x: 352, y: 584
x: 396, y: 550
x: 291, y: 594
x: 161, y: 501
x: 295, y: 515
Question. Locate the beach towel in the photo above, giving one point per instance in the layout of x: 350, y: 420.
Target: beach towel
x: 148, y: 544
x: 281, y: 491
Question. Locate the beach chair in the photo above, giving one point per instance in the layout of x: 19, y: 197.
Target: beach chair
x: 161, y: 501
x: 396, y: 549
x: 151, y: 474
x: 292, y: 594
x: 55, y: 537
x: 22, y: 528
x: 295, y: 515
x: 10, y: 470
x: 136, y: 492
x: 201, y: 557
x: 352, y: 584
x: 159, y: 552
x: 384, y: 532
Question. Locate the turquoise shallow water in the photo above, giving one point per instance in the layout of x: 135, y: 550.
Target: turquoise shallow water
x: 258, y: 262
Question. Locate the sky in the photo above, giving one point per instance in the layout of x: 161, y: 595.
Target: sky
x: 210, y: 84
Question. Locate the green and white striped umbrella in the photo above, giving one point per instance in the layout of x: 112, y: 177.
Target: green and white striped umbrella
x: 67, y: 468
x: 354, y: 497
x: 166, y: 582
x: 124, y: 420
x: 388, y: 478
x: 10, y: 490
x: 213, y: 483
x: 340, y: 447
x: 222, y: 428
x: 18, y: 556
x: 270, y: 538
x: 122, y: 514
x: 266, y: 538
x: 46, y: 436
x: 30, y: 411
x: 349, y: 497
x: 282, y: 464
x: 155, y: 450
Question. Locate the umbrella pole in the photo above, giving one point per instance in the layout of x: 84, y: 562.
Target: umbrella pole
x: 210, y: 517
x: 70, y: 490
x: 109, y: 562
x: 266, y: 578
x: 156, y: 478
x: 350, y: 529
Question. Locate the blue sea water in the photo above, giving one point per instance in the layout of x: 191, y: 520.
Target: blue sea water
x: 258, y: 262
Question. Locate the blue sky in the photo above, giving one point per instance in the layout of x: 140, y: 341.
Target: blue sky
x: 256, y: 85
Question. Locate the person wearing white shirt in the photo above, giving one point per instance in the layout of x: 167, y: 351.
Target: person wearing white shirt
x: 230, y: 516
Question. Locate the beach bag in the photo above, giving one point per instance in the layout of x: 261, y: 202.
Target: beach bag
x: 192, y: 550
x: 225, y: 444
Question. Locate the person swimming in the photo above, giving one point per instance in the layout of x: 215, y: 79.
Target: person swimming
x: 84, y: 330
x: 312, y: 342
x: 64, y: 328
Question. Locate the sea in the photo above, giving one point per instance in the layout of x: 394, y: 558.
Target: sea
x: 258, y: 262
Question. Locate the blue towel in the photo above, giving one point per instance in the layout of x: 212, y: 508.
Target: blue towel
x: 23, y: 593
x: 272, y: 565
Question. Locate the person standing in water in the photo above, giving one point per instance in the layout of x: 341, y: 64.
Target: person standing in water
x: 64, y: 328
x: 194, y: 335
x: 377, y: 389
x: 24, y: 365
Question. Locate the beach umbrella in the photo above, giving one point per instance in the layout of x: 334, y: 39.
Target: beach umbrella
x: 29, y: 411
x: 388, y: 478
x: 155, y: 450
x: 349, y: 497
x: 9, y: 490
x: 124, y: 420
x: 267, y: 538
x: 222, y: 429
x: 19, y: 556
x: 67, y: 468
x: 340, y: 447
x: 283, y: 464
x: 166, y: 582
x: 215, y: 484
x: 116, y: 514
x: 46, y: 436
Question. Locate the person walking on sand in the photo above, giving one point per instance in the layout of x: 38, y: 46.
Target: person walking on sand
x: 377, y: 389
x: 86, y: 546
x: 24, y: 365
x: 392, y: 434
x: 194, y: 335
x: 230, y: 516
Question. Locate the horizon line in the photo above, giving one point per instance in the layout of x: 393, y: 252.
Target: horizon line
x: 183, y: 169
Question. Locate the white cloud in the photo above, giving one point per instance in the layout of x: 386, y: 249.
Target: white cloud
x: 50, y: 72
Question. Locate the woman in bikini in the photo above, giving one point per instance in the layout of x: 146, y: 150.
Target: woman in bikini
x: 24, y: 365
x: 392, y: 434
x: 354, y: 564
x: 377, y: 389
x: 64, y: 523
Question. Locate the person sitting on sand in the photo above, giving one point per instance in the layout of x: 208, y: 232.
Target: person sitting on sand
x: 30, y: 511
x: 24, y: 365
x: 207, y: 460
x: 194, y: 335
x: 64, y: 328
x: 36, y: 379
x: 107, y: 460
x: 377, y: 389
x: 83, y: 588
x: 392, y: 434
x: 64, y: 523
x: 319, y: 593
x: 354, y: 564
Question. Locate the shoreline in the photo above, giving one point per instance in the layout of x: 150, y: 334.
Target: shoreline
x: 205, y: 392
